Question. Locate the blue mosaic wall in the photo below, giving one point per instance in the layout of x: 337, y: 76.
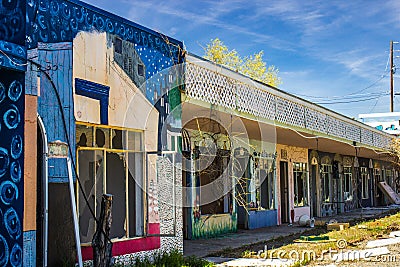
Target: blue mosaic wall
x: 12, y: 101
x: 11, y: 166
x: 12, y: 21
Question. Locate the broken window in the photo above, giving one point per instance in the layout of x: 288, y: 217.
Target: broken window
x: 300, y: 184
x: 111, y: 161
x: 347, y: 183
x: 364, y: 182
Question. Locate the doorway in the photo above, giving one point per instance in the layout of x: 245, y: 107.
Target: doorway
x: 242, y: 184
x: 314, y: 205
x: 284, y: 192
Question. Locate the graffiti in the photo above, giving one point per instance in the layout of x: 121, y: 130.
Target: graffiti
x: 16, y: 147
x: 208, y: 226
x: 8, y: 192
x: 2, y: 92
x: 11, y: 165
x: 15, y: 91
x: 16, y: 256
x: 12, y: 223
x: 3, y: 250
x: 13, y: 58
x: 12, y: 21
x: 4, y: 161
x: 11, y: 117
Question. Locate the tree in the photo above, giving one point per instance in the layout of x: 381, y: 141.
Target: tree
x: 253, y: 66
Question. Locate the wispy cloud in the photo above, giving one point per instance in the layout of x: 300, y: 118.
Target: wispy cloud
x: 210, y: 16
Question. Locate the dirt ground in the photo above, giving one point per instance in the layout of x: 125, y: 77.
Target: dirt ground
x: 392, y: 259
x: 274, y: 243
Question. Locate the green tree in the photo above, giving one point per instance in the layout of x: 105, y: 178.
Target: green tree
x: 253, y: 66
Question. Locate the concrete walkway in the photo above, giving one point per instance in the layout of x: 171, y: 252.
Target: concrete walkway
x: 204, y: 247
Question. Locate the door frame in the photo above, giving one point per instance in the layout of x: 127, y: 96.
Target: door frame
x: 44, y: 180
x: 314, y: 191
x: 284, y: 187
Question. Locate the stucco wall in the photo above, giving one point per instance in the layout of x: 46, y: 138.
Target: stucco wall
x: 128, y: 107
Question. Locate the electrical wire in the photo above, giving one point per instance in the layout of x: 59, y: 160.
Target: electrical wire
x: 350, y: 101
x: 384, y: 75
x: 373, y: 107
x: 15, y: 63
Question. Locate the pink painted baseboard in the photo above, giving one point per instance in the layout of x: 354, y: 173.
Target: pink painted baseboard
x: 130, y: 246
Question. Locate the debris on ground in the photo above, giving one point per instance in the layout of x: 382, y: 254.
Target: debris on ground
x: 337, y: 226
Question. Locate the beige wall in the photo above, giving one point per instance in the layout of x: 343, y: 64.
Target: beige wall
x: 128, y: 107
x: 30, y: 163
x: 294, y: 154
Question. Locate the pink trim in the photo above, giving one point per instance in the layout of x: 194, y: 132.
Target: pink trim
x: 130, y: 246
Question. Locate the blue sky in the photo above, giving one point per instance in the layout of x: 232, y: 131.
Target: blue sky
x: 326, y: 51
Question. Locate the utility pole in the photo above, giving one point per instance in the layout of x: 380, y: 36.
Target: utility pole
x: 391, y: 78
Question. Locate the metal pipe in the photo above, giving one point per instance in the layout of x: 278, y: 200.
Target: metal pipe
x: 74, y: 215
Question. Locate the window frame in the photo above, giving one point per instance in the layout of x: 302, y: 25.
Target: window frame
x: 364, y: 182
x: 300, y: 168
x: 126, y: 152
x: 326, y: 174
x: 267, y: 165
x: 377, y: 173
x: 348, y: 181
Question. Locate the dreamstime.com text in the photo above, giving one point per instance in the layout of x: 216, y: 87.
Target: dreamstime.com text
x: 331, y: 254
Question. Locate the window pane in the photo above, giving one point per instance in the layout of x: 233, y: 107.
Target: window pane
x: 135, y: 141
x: 102, y: 137
x: 116, y: 186
x: 364, y: 182
x: 135, y: 196
x: 348, y: 194
x: 300, y: 185
x: 90, y: 172
x: 117, y: 138
x: 84, y: 136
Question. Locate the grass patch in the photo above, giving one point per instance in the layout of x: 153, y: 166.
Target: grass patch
x: 171, y: 259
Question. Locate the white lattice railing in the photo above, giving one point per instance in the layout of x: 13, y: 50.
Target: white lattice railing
x: 216, y: 85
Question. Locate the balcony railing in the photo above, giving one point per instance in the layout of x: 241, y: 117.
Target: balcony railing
x: 214, y: 84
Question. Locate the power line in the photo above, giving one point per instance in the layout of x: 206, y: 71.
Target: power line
x: 350, y: 101
x: 384, y: 75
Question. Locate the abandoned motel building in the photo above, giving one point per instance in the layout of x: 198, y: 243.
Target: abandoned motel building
x: 92, y: 103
